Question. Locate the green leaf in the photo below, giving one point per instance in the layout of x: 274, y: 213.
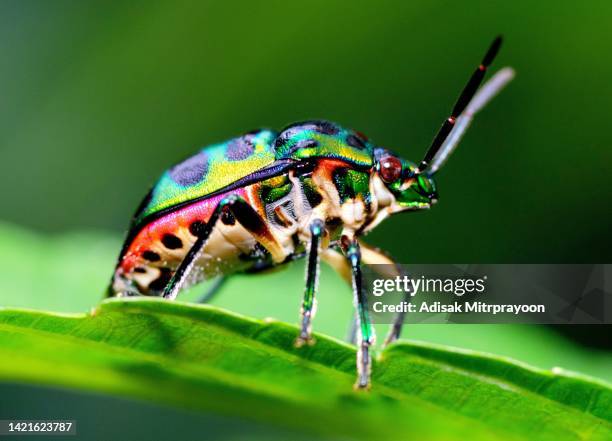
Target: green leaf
x: 69, y: 272
x: 203, y: 358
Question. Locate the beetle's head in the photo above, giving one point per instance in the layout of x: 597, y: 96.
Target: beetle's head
x: 411, y: 190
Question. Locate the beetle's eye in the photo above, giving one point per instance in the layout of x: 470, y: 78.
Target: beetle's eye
x: 390, y: 168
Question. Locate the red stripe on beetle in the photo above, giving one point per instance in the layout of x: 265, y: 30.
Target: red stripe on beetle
x: 153, y: 233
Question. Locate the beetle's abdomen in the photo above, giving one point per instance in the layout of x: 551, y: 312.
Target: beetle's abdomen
x: 152, y: 256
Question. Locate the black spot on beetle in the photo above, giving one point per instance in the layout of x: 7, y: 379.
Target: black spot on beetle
x: 151, y: 256
x: 190, y: 171
x: 355, y: 141
x: 327, y: 128
x: 197, y: 227
x: 239, y: 149
x: 320, y: 126
x: 140, y: 270
x: 172, y: 242
x: 306, y: 144
x: 324, y: 127
x: 160, y: 283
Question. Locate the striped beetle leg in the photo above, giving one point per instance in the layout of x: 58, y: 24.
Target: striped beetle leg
x: 309, y: 303
x: 365, y: 334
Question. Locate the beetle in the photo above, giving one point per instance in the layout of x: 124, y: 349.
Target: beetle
x: 267, y: 198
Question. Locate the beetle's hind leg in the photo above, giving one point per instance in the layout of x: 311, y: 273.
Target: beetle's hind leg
x: 351, y: 333
x: 213, y: 290
x: 307, y: 312
x: 246, y: 216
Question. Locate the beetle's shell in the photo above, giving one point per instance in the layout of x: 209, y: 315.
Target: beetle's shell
x: 161, y: 232
x: 220, y: 165
x: 208, y: 171
x: 325, y: 140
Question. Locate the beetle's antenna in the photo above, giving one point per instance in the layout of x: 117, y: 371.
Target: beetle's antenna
x: 485, y: 94
x: 466, y: 96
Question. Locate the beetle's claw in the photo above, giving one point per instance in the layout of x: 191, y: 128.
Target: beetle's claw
x: 361, y: 384
x: 304, y: 339
x: 305, y: 336
x: 364, y: 366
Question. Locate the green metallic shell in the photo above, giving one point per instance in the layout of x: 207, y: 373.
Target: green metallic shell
x: 211, y: 169
x: 217, y: 166
x: 322, y: 139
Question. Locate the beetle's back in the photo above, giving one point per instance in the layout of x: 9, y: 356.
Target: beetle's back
x: 258, y: 167
x: 211, y: 169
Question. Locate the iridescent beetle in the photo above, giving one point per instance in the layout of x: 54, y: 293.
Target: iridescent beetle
x: 268, y: 198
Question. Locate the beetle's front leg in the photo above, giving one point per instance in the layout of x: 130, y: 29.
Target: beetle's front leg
x: 309, y: 303
x: 365, y: 335
x: 383, y: 265
x: 387, y: 267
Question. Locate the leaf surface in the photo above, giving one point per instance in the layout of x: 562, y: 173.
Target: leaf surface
x: 204, y: 358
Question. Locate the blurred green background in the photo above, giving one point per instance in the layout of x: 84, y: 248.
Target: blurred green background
x: 98, y: 98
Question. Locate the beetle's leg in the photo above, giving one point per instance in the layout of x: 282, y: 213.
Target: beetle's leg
x: 213, y: 290
x: 245, y: 215
x: 351, y: 333
x: 374, y: 256
x: 365, y: 336
x: 338, y: 262
x: 334, y: 258
x: 307, y: 312
x: 370, y: 256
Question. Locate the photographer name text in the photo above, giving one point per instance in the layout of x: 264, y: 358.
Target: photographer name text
x: 439, y: 307
x: 439, y: 285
